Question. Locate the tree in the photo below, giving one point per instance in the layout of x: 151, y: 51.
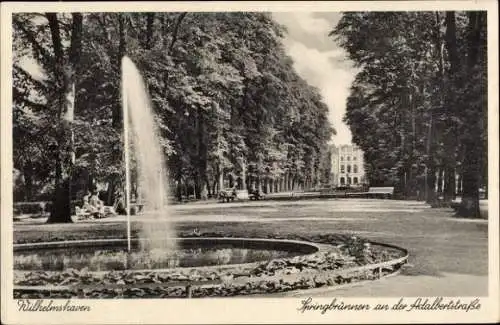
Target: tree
x: 408, y: 109
x: 474, y: 105
x: 65, y: 72
x: 60, y: 64
x: 389, y: 101
x: 227, y: 101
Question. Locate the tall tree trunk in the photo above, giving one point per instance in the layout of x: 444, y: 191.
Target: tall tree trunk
x: 114, y: 184
x: 117, y: 113
x: 431, y: 186
x: 440, y: 181
x: 28, y: 181
x: 209, y: 188
x: 66, y: 75
x: 410, y: 192
x: 176, y: 168
x: 459, y: 184
x: 164, y: 30
x: 450, y: 136
x: 243, y: 175
x: 215, y: 189
x: 311, y: 173
x: 469, y: 206
x: 430, y: 173
x: 202, y: 158
x: 135, y: 186
x: 473, y: 143
x: 449, y: 184
x: 175, y: 33
x: 179, y: 187
x: 258, y: 175
x: 220, y: 181
x: 150, y: 16
x: 117, y: 118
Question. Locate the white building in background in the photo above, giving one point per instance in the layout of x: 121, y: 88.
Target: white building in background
x: 347, y: 165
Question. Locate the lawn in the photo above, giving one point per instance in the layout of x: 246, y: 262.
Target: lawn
x: 437, y: 242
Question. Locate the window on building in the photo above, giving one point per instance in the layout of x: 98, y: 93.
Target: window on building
x: 349, y: 180
x: 342, y: 158
x: 355, y: 180
x: 342, y: 168
x: 342, y: 180
x: 348, y: 158
x: 348, y: 168
x: 354, y: 158
x: 355, y: 169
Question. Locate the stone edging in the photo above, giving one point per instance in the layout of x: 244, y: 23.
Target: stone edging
x: 314, y: 279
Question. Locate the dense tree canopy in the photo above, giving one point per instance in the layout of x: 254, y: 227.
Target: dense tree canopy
x: 418, y: 105
x: 229, y: 104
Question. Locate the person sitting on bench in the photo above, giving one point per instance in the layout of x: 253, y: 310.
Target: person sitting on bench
x: 94, y: 206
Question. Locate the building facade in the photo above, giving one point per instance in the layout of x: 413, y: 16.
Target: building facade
x: 347, y: 166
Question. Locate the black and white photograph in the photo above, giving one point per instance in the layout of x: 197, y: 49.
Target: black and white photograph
x: 337, y: 159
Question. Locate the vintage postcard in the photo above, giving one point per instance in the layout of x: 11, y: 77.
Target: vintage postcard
x: 254, y: 162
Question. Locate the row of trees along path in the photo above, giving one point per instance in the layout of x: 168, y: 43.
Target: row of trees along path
x: 418, y: 105
x: 228, y: 102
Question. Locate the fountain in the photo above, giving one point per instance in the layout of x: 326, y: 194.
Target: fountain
x: 138, y: 117
x: 157, y: 264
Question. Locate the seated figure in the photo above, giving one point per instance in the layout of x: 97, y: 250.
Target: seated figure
x: 93, y: 205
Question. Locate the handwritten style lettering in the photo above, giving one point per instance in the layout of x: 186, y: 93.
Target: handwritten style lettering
x: 438, y: 304
x: 51, y: 305
x: 308, y: 305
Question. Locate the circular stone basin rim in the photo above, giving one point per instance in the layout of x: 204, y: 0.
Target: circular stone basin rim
x: 311, y: 245
x: 302, y: 247
x: 273, y: 243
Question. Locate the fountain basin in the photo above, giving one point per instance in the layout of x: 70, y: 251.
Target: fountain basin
x: 325, y: 261
x: 111, y: 254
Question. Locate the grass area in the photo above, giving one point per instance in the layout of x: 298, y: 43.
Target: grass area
x: 436, y: 241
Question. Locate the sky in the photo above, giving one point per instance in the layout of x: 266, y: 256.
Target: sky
x: 320, y: 61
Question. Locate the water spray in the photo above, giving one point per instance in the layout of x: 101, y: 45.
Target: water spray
x: 126, y: 152
x: 141, y: 131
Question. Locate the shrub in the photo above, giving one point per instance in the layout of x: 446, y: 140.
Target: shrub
x: 29, y: 208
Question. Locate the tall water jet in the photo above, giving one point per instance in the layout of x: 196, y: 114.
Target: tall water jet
x: 157, y: 233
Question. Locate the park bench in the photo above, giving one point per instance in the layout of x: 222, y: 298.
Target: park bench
x: 255, y: 195
x: 228, y: 195
x: 83, y: 214
x: 383, y: 192
x: 325, y: 190
x: 136, y: 207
